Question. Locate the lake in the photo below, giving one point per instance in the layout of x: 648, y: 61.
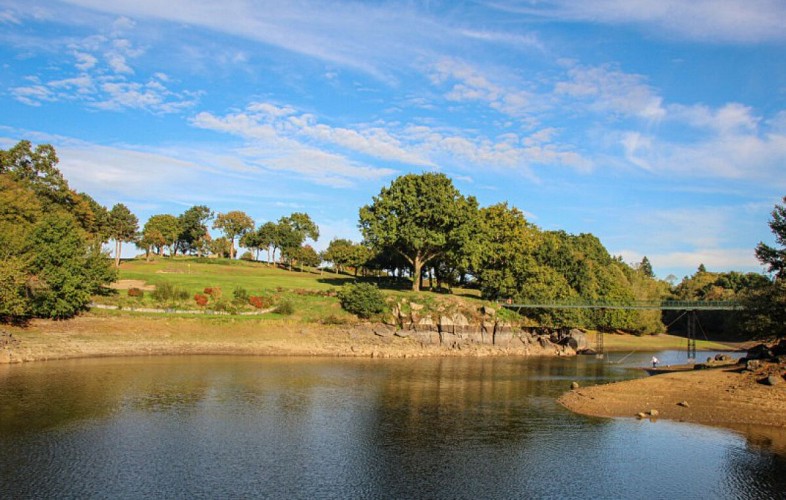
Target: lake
x: 268, y: 427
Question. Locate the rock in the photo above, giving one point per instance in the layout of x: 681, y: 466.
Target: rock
x: 760, y: 351
x: 402, y: 333
x: 574, y: 385
x: 684, y: 404
x: 445, y: 324
x: 641, y: 415
x: 384, y: 331
x: 488, y: 311
x: 426, y: 325
x: 460, y: 323
x: 654, y: 413
x: 770, y: 380
x: 416, y: 307
x: 722, y: 357
x: 752, y: 365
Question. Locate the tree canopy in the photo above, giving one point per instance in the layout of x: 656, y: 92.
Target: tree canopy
x: 50, y: 238
x: 233, y: 224
x: 421, y: 217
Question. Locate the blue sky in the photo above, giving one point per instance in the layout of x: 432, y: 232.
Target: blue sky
x: 657, y: 125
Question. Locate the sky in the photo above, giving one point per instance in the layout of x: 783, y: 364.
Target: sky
x: 657, y: 125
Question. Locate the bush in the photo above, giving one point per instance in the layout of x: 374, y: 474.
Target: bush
x: 259, y: 302
x: 285, y: 308
x: 213, y: 291
x: 362, y: 299
x: 240, y: 295
x: 167, y: 292
x: 248, y: 256
x: 201, y: 299
x: 136, y: 292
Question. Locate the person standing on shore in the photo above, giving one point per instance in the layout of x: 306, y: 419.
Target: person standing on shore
x: 655, y: 362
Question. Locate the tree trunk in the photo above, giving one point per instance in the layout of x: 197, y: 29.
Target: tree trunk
x: 417, y: 266
x: 117, y: 253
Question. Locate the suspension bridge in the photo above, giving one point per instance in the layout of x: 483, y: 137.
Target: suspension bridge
x: 689, y: 309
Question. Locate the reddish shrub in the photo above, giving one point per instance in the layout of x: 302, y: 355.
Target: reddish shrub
x: 136, y: 292
x: 201, y: 299
x: 259, y: 302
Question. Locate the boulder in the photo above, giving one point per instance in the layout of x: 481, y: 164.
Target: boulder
x: 488, y: 311
x: 445, y: 324
x: 752, y: 365
x: 684, y: 404
x: 770, y: 380
x: 654, y: 413
x: 415, y: 307
x: 574, y: 385
x: 460, y: 324
x: 426, y: 324
x: 384, y: 331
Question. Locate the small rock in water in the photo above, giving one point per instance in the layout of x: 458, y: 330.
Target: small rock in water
x: 574, y: 385
x: 641, y: 415
x: 654, y: 413
x: 684, y: 404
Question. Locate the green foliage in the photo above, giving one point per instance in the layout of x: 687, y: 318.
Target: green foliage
x: 193, y: 229
x: 285, y: 308
x: 775, y: 258
x: 161, y: 231
x: 240, y: 295
x: 764, y: 314
x: 362, y: 299
x: 233, y: 224
x: 247, y: 256
x: 420, y: 217
x: 167, y: 293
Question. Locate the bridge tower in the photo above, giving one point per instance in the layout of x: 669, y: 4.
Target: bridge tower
x: 692, y: 320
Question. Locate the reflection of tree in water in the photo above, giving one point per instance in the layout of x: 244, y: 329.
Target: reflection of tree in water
x: 432, y: 401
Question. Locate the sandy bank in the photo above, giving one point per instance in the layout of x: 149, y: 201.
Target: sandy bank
x: 97, y: 336
x: 725, y: 398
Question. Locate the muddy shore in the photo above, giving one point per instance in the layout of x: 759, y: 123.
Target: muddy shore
x: 734, y: 398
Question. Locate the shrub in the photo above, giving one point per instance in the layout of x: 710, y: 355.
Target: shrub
x: 201, y: 299
x: 259, y: 302
x: 240, y: 295
x: 247, y: 256
x: 362, y: 299
x: 136, y: 292
x: 213, y: 291
x: 285, y: 308
x: 166, y: 292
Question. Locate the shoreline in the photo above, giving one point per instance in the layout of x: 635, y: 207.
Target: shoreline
x: 734, y: 399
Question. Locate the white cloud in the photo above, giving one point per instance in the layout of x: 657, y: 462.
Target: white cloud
x: 470, y: 84
x: 607, y: 89
x: 735, y: 21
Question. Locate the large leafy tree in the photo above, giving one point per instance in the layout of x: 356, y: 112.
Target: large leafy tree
x: 50, y: 256
x: 339, y: 252
x: 234, y: 225
x: 502, y: 257
x: 193, y: 228
x: 122, y: 227
x: 160, y: 231
x: 421, y: 217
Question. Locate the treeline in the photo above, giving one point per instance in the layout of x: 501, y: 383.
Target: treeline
x: 418, y: 228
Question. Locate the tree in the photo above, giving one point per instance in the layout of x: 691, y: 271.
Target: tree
x: 167, y: 228
x: 421, y: 217
x: 775, y: 258
x: 503, y: 258
x: 160, y: 231
x: 646, y: 267
x: 233, y: 224
x: 266, y: 238
x: 193, y: 228
x: 339, y: 252
x: 122, y: 226
x: 302, y: 225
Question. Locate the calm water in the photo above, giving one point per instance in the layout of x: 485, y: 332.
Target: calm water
x: 217, y: 427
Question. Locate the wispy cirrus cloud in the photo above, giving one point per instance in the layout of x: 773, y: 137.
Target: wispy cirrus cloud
x: 714, y: 21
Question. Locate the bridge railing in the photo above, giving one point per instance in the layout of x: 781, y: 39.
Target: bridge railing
x: 679, y: 305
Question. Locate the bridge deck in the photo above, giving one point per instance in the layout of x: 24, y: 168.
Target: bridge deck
x: 669, y: 305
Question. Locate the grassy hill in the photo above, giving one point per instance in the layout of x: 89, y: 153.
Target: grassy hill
x: 307, y: 295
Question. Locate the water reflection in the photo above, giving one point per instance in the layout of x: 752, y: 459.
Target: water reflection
x: 303, y: 428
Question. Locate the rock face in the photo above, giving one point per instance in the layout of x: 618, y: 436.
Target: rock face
x: 482, y: 328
